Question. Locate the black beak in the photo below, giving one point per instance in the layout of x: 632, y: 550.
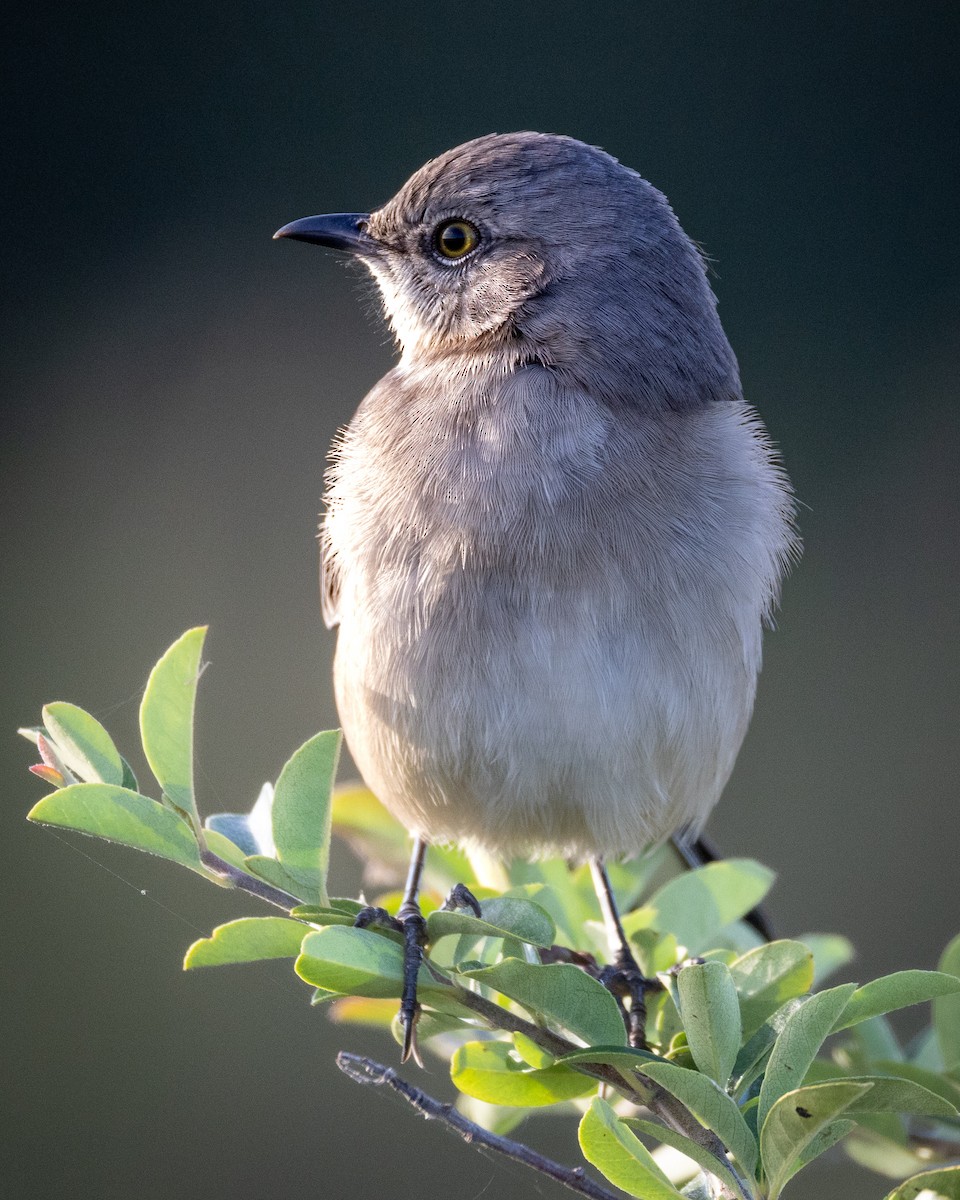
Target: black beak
x: 339, y: 231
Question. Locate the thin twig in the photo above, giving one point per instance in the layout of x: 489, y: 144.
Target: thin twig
x: 638, y: 1090
x: 366, y: 1071
x: 248, y: 883
x: 635, y: 1088
x: 501, y: 1018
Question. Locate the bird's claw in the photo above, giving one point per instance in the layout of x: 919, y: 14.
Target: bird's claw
x: 410, y: 923
x: 460, y: 896
x: 376, y: 916
x: 408, y: 1023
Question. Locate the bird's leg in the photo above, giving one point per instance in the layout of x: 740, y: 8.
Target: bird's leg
x: 409, y: 922
x: 623, y: 977
x: 414, y: 939
x: 414, y: 929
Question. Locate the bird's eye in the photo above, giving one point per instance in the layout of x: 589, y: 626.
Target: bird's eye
x: 455, y: 239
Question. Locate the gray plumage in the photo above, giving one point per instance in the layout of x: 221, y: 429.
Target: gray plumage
x: 555, y: 529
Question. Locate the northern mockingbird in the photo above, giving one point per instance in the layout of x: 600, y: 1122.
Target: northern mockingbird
x: 554, y: 530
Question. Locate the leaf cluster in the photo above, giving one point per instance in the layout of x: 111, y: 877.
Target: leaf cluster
x: 750, y: 1074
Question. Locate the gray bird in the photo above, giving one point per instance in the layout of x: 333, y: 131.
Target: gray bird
x: 554, y: 530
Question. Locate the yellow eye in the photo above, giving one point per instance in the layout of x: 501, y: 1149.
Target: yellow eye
x: 455, y: 239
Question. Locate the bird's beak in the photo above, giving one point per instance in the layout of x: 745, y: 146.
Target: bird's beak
x: 339, y: 231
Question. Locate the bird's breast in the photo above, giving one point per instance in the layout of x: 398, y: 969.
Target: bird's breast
x: 546, y: 627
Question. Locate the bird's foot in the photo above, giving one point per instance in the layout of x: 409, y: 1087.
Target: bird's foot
x: 626, y: 982
x: 461, y: 897
x: 414, y: 929
x: 410, y: 924
x: 376, y: 916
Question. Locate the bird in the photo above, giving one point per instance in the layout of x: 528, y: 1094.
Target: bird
x: 554, y: 531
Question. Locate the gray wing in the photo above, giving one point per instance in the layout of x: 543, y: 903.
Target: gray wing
x: 329, y: 582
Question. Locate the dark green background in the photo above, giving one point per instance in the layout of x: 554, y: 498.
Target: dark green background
x: 172, y: 380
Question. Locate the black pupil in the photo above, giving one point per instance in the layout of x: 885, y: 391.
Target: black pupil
x: 454, y: 238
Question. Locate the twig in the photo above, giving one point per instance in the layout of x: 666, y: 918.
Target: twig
x: 501, y: 1018
x: 638, y: 1090
x: 248, y: 883
x: 635, y: 1088
x: 366, y: 1071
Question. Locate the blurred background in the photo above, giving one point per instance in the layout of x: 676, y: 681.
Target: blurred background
x: 172, y: 380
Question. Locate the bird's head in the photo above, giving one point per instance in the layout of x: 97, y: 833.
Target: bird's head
x: 529, y: 247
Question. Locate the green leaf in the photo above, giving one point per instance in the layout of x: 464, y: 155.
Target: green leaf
x: 624, y: 1058
x: 695, y: 906
x: 710, y: 1105
x: 831, y: 951
x: 890, y: 992
x: 226, y: 850
x: 655, y: 953
x: 795, y: 1120
x: 370, y: 831
x: 360, y: 962
x: 430, y: 1024
x: 322, y: 915
x: 693, y: 1150
x: 946, y: 1010
x: 503, y: 916
x: 84, y: 744
x: 248, y: 939
x: 620, y: 1156
x: 566, y: 894
x: 346, y: 907
x: 898, y: 1095
x: 560, y: 993
x: 752, y: 1059
x: 166, y: 720
x: 351, y: 961
x: 129, y: 779
x: 942, y: 1184
x: 301, y: 810
x: 121, y: 816
x: 940, y: 1085
x: 803, y: 1033
x: 376, y: 1014
x: 827, y: 1137
x: 881, y: 1153
x: 711, y: 1017
x: 924, y: 1050
x: 251, y: 832
x: 868, y: 1041
x: 274, y: 872
x: 769, y: 975
x: 492, y: 1072
x: 532, y: 1054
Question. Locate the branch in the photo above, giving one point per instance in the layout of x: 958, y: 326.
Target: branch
x: 639, y: 1090
x: 635, y: 1088
x: 248, y: 883
x: 370, y: 1073
x: 501, y: 1018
